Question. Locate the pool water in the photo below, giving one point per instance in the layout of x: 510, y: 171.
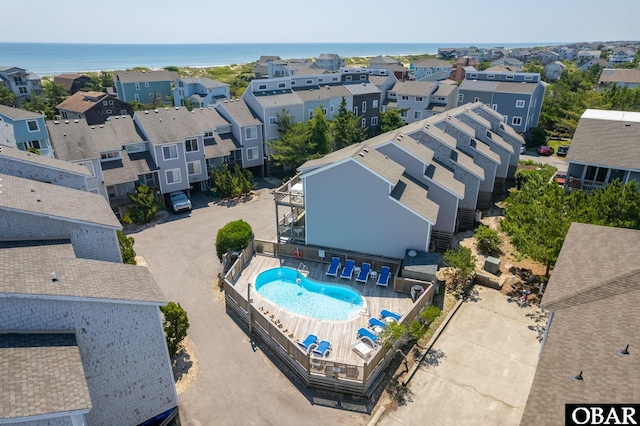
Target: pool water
x: 307, y: 297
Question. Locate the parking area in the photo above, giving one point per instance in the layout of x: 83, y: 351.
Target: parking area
x: 237, y: 383
x: 481, y: 368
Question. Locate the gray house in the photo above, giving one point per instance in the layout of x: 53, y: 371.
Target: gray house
x: 246, y: 127
x: 36, y: 210
x: 516, y: 96
x: 330, y: 61
x: 554, y: 70
x: 591, y: 166
x: 430, y: 69
x: 420, y: 99
x: 442, y: 186
x: 26, y: 165
x: 23, y: 83
x: 357, y: 199
x: 178, y: 139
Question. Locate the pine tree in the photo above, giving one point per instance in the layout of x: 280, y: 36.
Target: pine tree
x: 345, y: 127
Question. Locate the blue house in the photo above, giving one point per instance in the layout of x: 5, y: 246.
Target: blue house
x: 24, y: 129
x: 144, y: 86
x: 202, y: 91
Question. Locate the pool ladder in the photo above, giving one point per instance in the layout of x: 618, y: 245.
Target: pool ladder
x: 303, y: 270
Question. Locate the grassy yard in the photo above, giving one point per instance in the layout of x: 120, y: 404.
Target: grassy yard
x: 554, y: 143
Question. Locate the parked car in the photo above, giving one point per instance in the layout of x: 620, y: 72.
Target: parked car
x: 562, y: 150
x: 523, y: 148
x: 179, y: 201
x: 561, y: 178
x: 545, y: 150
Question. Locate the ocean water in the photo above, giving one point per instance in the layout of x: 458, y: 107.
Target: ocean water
x: 48, y: 59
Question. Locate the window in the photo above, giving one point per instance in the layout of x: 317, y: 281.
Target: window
x: 23, y: 90
x: 374, y: 121
x: 309, y: 81
x: 273, y: 121
x: 137, y: 86
x: 250, y: 133
x: 293, y: 83
x: 137, y: 97
x: 404, y: 98
x: 461, y: 97
x: 31, y: 144
x: 494, y: 107
x: 519, y: 104
x: 491, y: 76
x: 208, y: 134
x: 110, y: 155
x: 347, y: 78
x: 418, y: 98
x: 476, y: 99
x: 149, y: 179
x: 505, y: 118
x: 375, y: 104
x: 528, y: 77
x: 262, y: 87
x: 137, y: 147
x: 473, y: 75
x: 194, y: 168
x: 105, y: 103
x: 191, y: 145
x: 363, y: 123
x: 108, y: 111
x: 169, y: 152
x: 158, y: 94
x: 311, y: 114
x: 509, y: 77
x: 516, y: 121
x: 417, y: 115
x: 150, y: 95
x: 363, y: 77
x: 331, y: 108
x: 123, y: 112
x: 252, y: 153
x: 146, y: 84
x: 173, y: 176
x: 281, y: 85
x: 32, y: 125
x: 110, y: 102
x: 364, y: 107
x: 355, y: 110
x: 403, y: 114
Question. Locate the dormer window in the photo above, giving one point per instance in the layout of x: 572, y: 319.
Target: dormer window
x: 109, y: 156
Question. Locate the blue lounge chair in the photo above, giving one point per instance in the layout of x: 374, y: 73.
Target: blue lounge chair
x: 388, y: 314
x: 334, y: 267
x: 368, y: 336
x: 383, y: 278
x: 322, y: 349
x: 363, y: 275
x: 309, y: 343
x: 375, y: 322
x: 347, y: 272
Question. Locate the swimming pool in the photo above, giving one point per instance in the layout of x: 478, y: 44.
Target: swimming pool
x: 309, y: 298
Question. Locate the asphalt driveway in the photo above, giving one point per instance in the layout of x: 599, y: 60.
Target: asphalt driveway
x: 481, y: 368
x: 237, y: 383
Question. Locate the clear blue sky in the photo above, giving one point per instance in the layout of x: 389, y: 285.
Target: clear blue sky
x: 330, y: 21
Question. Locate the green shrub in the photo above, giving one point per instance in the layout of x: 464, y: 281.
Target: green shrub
x: 489, y: 241
x: 234, y: 236
x: 176, y: 324
x: 126, y: 248
x: 430, y: 313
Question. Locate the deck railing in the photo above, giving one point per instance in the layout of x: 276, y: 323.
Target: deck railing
x: 326, y: 374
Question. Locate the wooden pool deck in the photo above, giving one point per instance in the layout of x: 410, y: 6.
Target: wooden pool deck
x: 341, y: 334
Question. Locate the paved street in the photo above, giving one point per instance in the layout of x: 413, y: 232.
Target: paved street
x: 556, y: 162
x: 237, y: 384
x: 481, y: 368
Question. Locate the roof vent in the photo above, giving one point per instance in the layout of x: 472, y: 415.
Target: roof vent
x: 365, y: 150
x: 75, y: 121
x: 161, y: 120
x: 101, y: 126
x: 54, y: 277
x: 327, y: 86
x: 627, y: 124
x: 38, y: 198
x: 93, y: 127
x: 166, y: 108
x: 66, y: 121
x: 177, y: 108
x: 64, y: 134
x: 624, y: 351
x: 361, y: 154
x: 155, y: 110
x: 56, y: 122
x: 146, y: 112
x: 578, y: 377
x: 33, y: 190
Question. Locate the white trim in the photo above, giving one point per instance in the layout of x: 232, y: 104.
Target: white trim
x: 257, y: 152
x: 199, y: 163
x: 37, y: 126
x: 520, y: 103
x: 164, y: 158
x: 255, y: 129
x: 175, y: 182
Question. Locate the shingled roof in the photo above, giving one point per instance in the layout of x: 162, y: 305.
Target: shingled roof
x: 76, y: 278
x: 594, y: 293
x: 43, y: 160
x: 18, y: 113
x: 57, y: 202
x: 170, y: 125
x: 142, y: 76
x: 617, y: 130
x: 41, y: 374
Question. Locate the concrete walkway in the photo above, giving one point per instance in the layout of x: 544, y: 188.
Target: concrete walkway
x: 481, y: 368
